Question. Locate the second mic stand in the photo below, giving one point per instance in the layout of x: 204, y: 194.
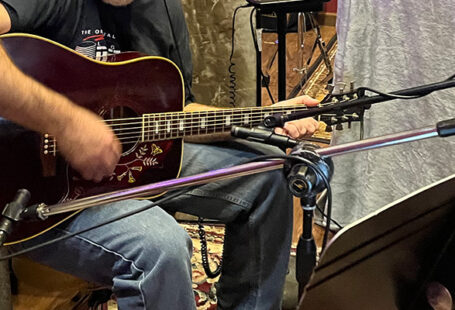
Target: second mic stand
x: 306, y: 178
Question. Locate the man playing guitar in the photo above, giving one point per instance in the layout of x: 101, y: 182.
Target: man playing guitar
x: 146, y: 258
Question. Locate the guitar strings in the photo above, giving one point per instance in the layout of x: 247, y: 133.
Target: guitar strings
x: 220, y: 113
x: 167, y: 126
x: 177, y: 118
x: 224, y: 111
x: 172, y: 126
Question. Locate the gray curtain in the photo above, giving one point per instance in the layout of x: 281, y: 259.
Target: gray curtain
x: 390, y: 45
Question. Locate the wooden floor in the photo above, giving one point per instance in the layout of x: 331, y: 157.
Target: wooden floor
x: 293, y: 54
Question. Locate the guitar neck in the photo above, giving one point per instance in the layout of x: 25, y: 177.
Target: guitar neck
x: 174, y: 125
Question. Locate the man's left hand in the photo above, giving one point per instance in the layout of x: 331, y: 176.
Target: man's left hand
x: 299, y: 128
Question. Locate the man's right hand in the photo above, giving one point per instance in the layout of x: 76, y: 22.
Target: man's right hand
x: 89, y: 146
x: 85, y: 141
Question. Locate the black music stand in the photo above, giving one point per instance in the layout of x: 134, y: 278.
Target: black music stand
x: 280, y: 8
x: 385, y: 260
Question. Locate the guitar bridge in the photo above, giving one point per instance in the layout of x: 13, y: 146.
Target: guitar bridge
x: 48, y: 155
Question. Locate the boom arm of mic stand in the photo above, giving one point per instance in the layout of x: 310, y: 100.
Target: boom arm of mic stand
x: 42, y: 211
x: 277, y: 120
x: 442, y: 129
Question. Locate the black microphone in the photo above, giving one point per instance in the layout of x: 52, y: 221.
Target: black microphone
x: 263, y: 135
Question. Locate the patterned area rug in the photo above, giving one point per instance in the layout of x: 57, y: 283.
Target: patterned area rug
x: 203, y: 286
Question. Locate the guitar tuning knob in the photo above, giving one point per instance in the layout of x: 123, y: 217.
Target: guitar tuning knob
x: 339, y: 126
x: 328, y: 129
x: 341, y: 86
x: 351, y: 86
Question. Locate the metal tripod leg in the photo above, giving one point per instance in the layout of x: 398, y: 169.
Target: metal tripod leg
x: 319, y: 43
x: 301, y: 67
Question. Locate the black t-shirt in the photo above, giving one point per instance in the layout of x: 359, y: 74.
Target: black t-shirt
x: 91, y: 27
x: 96, y: 29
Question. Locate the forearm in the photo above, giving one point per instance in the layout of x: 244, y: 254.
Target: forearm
x: 29, y: 103
x: 222, y: 136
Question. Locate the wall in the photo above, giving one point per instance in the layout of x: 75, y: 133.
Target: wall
x: 210, y: 24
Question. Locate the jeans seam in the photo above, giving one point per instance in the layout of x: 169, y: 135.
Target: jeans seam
x: 255, y: 288
x: 232, y: 199
x: 119, y: 255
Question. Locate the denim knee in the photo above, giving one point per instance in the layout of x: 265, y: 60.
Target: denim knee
x: 170, y: 249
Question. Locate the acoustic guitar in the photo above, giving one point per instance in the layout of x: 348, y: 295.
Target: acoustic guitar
x: 140, y: 97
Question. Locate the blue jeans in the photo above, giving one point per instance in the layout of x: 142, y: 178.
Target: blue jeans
x: 145, y: 258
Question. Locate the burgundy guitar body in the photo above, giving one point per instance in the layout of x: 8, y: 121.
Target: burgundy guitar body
x: 127, y: 87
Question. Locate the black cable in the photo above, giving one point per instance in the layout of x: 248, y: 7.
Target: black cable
x: 256, y: 47
x: 394, y: 96
x: 324, y: 215
x: 117, y: 218
x: 204, y: 253
x: 360, y: 89
x: 232, y: 77
x: 363, y: 89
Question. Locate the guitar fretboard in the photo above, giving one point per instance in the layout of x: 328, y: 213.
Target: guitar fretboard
x: 166, y: 126
x: 175, y: 125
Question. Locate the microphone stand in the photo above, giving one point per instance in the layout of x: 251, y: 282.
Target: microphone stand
x: 10, y: 214
x: 307, y: 183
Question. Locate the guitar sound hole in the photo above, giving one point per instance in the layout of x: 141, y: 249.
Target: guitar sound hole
x: 126, y: 125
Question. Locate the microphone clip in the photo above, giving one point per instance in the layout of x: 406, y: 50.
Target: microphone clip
x: 305, y: 179
x: 12, y: 213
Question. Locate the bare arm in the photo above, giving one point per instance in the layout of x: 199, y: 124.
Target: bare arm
x: 89, y: 146
x: 5, y: 20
